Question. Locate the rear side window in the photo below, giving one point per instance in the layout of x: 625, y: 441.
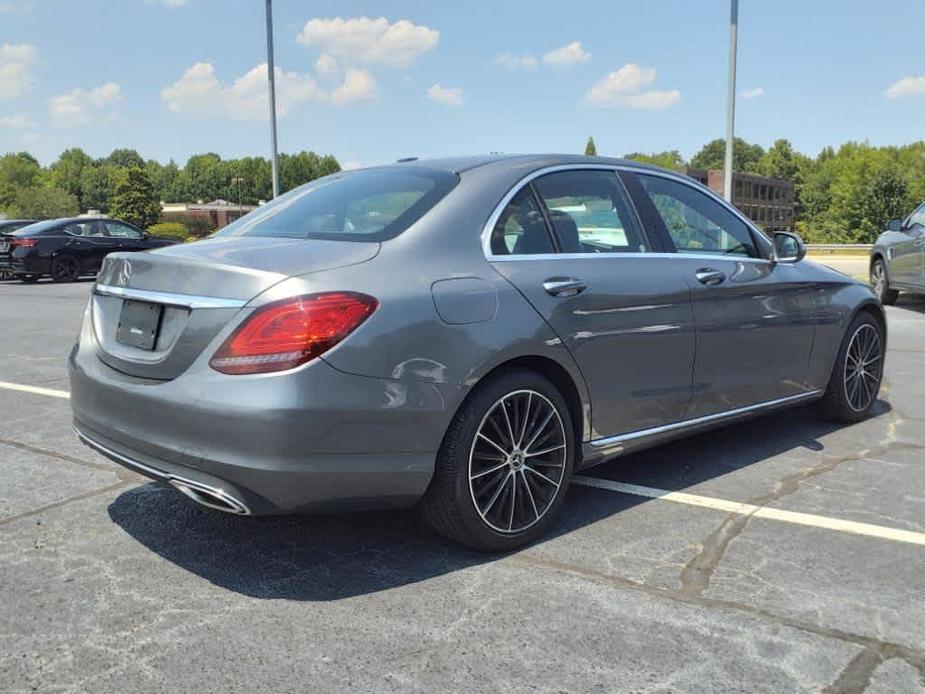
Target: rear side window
x: 695, y: 222
x: 589, y: 212
x: 83, y: 229
x: 372, y: 205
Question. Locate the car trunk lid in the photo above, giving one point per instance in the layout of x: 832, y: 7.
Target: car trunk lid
x: 154, y: 313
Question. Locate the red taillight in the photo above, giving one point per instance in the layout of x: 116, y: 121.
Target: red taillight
x: 23, y: 243
x: 290, y: 332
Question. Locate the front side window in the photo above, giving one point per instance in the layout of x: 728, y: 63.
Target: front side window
x: 589, y: 212
x: 695, y: 222
x: 917, y: 218
x: 371, y: 205
x: 521, y: 229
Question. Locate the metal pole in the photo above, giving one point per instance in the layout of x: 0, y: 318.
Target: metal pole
x: 731, y: 99
x: 271, y: 78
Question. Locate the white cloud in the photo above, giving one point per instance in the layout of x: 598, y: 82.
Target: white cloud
x: 907, y: 86
x: 372, y: 41
x: 79, y: 107
x: 755, y: 93
x: 326, y: 65
x: 569, y: 55
x: 17, y: 122
x: 168, y: 3
x: 622, y: 88
x: 8, y: 7
x: 199, y: 93
x: 516, y: 62
x: 358, y: 85
x: 449, y: 96
x: 15, y: 73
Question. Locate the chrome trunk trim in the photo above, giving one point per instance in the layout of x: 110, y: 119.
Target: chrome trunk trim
x: 168, y: 298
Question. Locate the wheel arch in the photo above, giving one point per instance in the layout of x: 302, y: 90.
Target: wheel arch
x: 579, y: 406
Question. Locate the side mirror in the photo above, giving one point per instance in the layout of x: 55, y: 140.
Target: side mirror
x: 894, y: 225
x: 145, y: 235
x: 788, y: 248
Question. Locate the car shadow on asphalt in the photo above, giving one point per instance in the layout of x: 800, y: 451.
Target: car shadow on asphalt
x: 329, y: 557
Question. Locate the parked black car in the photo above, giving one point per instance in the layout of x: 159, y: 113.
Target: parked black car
x: 8, y: 226
x: 65, y: 249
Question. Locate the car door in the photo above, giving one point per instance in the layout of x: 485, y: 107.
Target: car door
x: 905, y: 262
x: 89, y: 243
x: 912, y: 257
x: 571, y: 243
x: 755, y: 319
x: 125, y: 237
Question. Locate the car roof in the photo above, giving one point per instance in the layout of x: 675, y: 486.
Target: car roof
x: 462, y: 164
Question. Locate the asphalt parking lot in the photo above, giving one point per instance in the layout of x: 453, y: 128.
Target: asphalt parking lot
x: 784, y: 554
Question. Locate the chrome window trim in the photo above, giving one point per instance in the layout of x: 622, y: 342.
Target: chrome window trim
x: 615, y: 168
x: 615, y: 442
x: 168, y: 298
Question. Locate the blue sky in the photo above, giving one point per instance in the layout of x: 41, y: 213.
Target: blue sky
x: 371, y: 82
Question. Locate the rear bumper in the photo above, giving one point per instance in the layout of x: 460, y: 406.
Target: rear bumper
x: 29, y: 265
x: 313, y: 439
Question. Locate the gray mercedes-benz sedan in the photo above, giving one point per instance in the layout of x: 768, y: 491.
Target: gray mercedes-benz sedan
x: 897, y: 259
x: 459, y: 333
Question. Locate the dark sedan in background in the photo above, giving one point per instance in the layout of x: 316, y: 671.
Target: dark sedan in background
x: 8, y: 226
x: 897, y: 261
x: 65, y: 249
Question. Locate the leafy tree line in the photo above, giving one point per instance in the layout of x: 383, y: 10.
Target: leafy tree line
x: 125, y: 185
x: 843, y: 195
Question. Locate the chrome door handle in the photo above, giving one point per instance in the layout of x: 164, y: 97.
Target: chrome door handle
x: 709, y: 276
x: 564, y: 286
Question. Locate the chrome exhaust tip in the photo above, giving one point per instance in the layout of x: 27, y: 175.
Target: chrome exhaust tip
x: 211, y: 497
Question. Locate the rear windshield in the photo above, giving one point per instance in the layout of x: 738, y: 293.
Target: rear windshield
x: 372, y: 205
x: 37, y: 228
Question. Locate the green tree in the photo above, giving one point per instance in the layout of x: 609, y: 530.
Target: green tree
x: 590, y: 148
x: 667, y: 160
x: 67, y: 172
x: 745, y: 156
x: 134, y: 198
x: 95, y: 187
x: 44, y: 203
x: 124, y: 158
x: 17, y: 171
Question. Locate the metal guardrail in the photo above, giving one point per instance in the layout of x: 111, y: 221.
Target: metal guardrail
x: 836, y: 248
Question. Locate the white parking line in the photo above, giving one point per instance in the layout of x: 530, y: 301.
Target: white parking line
x: 844, y: 526
x: 35, y: 390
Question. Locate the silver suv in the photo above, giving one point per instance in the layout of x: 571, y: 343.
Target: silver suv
x: 897, y: 261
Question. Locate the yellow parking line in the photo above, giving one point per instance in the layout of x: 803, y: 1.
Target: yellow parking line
x: 35, y: 390
x: 844, y: 526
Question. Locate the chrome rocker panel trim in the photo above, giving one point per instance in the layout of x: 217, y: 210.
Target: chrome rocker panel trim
x: 613, y: 445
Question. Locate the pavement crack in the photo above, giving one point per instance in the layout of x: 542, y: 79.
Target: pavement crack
x: 58, y: 504
x: 856, y: 675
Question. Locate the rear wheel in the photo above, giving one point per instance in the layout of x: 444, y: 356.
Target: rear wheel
x: 65, y: 268
x: 880, y: 283
x: 858, y: 372
x: 504, y: 466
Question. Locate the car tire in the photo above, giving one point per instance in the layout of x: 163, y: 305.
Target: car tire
x: 496, y: 448
x: 65, y: 268
x: 879, y: 280
x: 852, y: 390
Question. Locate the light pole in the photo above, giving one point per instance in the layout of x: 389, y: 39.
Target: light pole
x: 271, y: 78
x: 238, y: 180
x: 731, y: 99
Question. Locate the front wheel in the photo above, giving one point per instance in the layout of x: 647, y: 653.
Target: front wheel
x: 858, y: 372
x: 504, y: 465
x: 880, y: 283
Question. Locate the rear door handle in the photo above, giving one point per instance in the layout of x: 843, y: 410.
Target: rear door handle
x: 709, y: 276
x: 564, y: 286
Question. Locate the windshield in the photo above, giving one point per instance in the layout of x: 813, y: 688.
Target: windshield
x: 372, y: 205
